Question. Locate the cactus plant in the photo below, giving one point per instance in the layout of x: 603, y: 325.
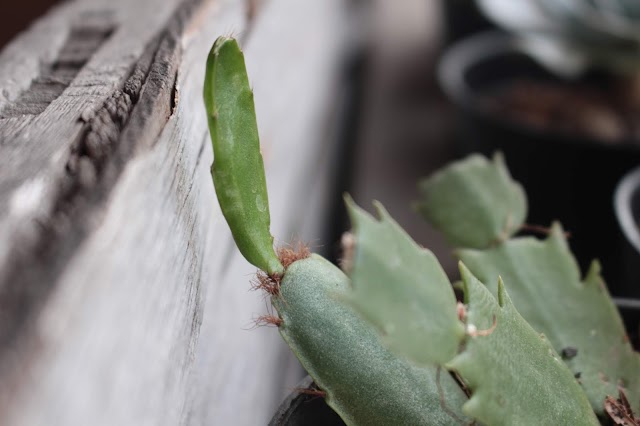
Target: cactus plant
x: 385, y: 339
x: 577, y: 316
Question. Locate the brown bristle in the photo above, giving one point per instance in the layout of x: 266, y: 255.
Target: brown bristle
x: 266, y: 283
x: 265, y: 320
x: 620, y: 410
x: 288, y: 256
x: 348, y: 243
x: 312, y: 392
x: 539, y: 229
x: 462, y: 311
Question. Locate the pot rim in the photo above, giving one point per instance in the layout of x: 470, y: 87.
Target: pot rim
x: 457, y: 60
x: 623, y: 196
x: 298, y: 404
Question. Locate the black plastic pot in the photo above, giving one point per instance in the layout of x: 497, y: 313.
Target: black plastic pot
x: 627, y: 208
x: 566, y: 178
x: 462, y: 18
x: 305, y: 409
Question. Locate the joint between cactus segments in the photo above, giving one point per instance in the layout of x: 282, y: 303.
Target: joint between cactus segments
x: 270, y: 283
x: 542, y: 230
x: 287, y: 255
x: 506, y: 231
x: 461, y: 310
x: 348, y: 243
x: 472, y: 331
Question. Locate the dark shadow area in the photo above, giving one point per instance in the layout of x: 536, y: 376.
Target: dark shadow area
x: 16, y: 17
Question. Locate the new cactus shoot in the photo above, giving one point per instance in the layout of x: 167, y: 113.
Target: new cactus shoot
x: 238, y: 169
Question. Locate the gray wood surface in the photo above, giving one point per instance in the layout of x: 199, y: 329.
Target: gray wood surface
x: 122, y: 297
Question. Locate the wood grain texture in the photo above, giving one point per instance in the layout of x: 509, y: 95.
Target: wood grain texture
x: 48, y: 189
x: 122, y: 296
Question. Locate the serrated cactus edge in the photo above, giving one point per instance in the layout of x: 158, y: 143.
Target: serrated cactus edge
x: 575, y: 313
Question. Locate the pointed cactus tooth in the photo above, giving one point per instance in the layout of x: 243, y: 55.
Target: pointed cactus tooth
x: 238, y: 170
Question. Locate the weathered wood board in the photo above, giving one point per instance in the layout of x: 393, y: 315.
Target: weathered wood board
x: 122, y: 297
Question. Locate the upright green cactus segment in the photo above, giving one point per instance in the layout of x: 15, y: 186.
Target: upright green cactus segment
x: 576, y: 315
x: 365, y: 383
x: 515, y: 376
x: 238, y: 170
x: 402, y: 290
x: 478, y: 197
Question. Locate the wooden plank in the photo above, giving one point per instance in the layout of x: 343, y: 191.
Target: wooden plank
x: 71, y: 151
x: 142, y: 302
x: 115, y: 365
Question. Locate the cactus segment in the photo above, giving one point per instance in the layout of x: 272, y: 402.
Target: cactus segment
x: 546, y: 288
x: 402, y: 290
x: 238, y: 170
x: 515, y: 376
x: 545, y: 285
x: 475, y: 200
x: 365, y: 383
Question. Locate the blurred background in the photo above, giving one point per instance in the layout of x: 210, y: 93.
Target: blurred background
x: 17, y: 17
